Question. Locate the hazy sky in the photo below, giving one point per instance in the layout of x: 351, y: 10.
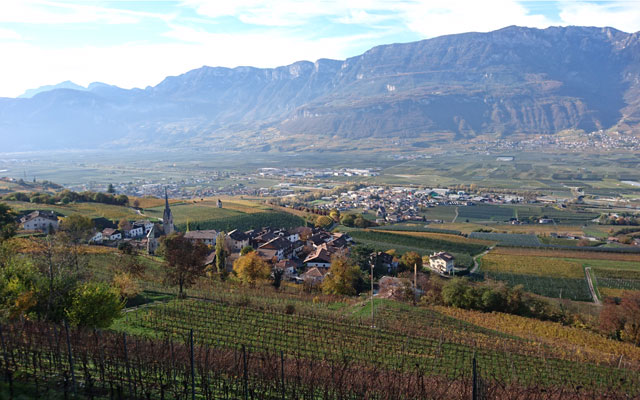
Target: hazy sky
x: 138, y: 43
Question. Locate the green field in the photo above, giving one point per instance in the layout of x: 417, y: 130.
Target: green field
x: 91, y: 210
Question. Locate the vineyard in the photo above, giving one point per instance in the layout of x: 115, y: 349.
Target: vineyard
x: 244, y: 222
x: 549, y: 277
x: 424, y: 245
x: 619, y: 280
x: 508, y: 239
x: 224, y: 347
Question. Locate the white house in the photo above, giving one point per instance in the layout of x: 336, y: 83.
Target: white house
x: 135, y: 231
x: 111, y: 234
x: 39, y: 221
x: 97, y: 238
x: 442, y: 262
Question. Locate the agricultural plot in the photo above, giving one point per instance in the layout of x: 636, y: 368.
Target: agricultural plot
x: 243, y: 222
x: 232, y: 326
x: 416, y: 227
x: 508, y: 239
x: 622, y: 280
x: 549, y: 277
x: 402, y: 243
x: 485, y: 213
x: 91, y: 210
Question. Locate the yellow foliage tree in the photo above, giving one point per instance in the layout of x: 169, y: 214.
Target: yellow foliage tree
x: 127, y: 286
x: 342, y: 277
x: 250, y: 268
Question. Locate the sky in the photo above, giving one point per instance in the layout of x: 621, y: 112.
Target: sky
x: 139, y: 43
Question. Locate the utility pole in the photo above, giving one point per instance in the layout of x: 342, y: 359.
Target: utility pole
x: 415, y: 283
x: 373, y: 322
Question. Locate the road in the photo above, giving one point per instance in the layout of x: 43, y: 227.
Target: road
x: 587, y: 271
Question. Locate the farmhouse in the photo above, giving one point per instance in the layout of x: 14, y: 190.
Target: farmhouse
x: 320, y: 257
x: 111, y: 234
x: 39, y: 221
x: 442, y: 262
x: 237, y: 240
x: 207, y: 237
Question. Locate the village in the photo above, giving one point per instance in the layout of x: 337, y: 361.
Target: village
x: 303, y: 254
x: 398, y: 204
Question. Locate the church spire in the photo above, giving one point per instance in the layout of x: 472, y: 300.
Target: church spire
x: 167, y: 218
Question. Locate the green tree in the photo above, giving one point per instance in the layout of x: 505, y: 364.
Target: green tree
x: 348, y: 220
x: 342, y: 278
x: 250, y: 268
x: 95, y: 305
x: 246, y: 250
x: 76, y: 228
x: 221, y: 255
x: 111, y: 189
x: 184, y: 260
x: 8, y: 224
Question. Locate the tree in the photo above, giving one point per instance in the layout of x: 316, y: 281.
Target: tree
x: 409, y: 259
x: 124, y: 224
x: 184, y: 260
x: 95, y: 305
x: 623, y: 320
x: 246, y: 250
x: 110, y: 188
x: 277, y: 278
x: 342, y: 277
x: 126, y: 285
x: 335, y: 215
x: 136, y: 203
x: 348, y: 220
x: 250, y: 268
x: 221, y: 254
x: 7, y: 222
x: 76, y: 228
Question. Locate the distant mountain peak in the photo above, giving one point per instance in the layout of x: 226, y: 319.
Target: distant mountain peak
x: 515, y: 80
x: 29, y: 93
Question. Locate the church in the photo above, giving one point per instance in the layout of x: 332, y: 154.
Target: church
x: 167, y: 227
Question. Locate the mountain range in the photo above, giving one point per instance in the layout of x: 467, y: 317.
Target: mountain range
x: 513, y: 81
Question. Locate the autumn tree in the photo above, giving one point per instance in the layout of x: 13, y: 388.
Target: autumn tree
x: 250, y: 268
x: 622, y: 320
x: 342, y: 278
x: 184, y: 260
x: 409, y: 260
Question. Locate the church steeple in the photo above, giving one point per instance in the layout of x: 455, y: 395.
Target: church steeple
x: 167, y: 218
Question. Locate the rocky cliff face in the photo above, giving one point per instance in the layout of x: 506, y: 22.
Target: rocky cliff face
x: 514, y: 80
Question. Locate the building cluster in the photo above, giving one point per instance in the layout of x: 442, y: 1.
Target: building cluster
x: 316, y: 173
x: 399, y: 204
x: 598, y: 140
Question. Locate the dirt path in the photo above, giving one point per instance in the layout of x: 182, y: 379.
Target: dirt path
x: 475, y: 260
x: 587, y: 271
x: 456, y: 217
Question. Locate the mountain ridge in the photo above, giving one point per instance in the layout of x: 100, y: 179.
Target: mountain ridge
x: 511, y: 81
